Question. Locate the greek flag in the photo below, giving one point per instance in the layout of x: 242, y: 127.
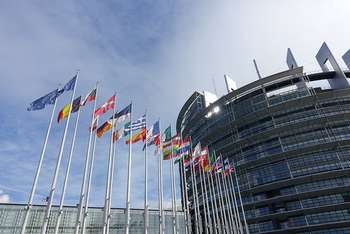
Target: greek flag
x: 135, y: 125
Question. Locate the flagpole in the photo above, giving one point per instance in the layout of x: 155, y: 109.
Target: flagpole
x: 146, y: 188
x: 219, y: 221
x: 127, y: 226
x: 161, y: 207
x: 87, y: 158
x: 197, y: 199
x: 232, y: 205
x: 87, y: 198
x: 203, y: 199
x: 58, y: 164
x: 240, y: 199
x: 185, y: 196
x: 60, y: 210
x: 173, y: 187
x: 108, y: 179
x: 213, y: 206
x: 37, y: 173
x: 194, y: 203
x: 228, y: 203
x: 159, y: 179
x: 206, y: 201
x: 111, y: 183
x: 227, y: 200
x: 189, y: 221
x: 223, y: 210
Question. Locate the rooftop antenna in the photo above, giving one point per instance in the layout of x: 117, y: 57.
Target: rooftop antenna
x: 257, y: 69
x: 214, y: 85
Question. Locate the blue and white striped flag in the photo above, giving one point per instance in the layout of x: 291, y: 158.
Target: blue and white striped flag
x: 135, y: 125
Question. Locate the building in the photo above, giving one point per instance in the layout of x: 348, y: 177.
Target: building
x: 288, y: 136
x: 11, y: 219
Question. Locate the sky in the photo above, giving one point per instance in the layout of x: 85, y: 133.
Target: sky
x: 153, y: 53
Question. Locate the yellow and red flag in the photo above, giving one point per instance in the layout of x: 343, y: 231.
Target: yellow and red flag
x: 138, y: 136
x: 69, y: 108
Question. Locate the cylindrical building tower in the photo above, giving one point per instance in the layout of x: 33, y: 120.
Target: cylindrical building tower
x: 288, y: 136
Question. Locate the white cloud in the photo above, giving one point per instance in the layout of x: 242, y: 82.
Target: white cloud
x: 203, y: 40
x: 4, y: 198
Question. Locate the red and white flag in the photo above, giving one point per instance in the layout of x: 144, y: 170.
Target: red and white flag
x: 105, y: 107
x: 90, y: 97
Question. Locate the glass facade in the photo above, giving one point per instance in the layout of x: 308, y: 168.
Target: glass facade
x: 291, y: 151
x: 11, y: 218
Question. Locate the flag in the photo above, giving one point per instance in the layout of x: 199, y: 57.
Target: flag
x: 183, y: 150
x: 170, y: 147
x: 152, y: 135
x: 106, y: 106
x: 154, y: 138
x: 135, y: 125
x: 69, y: 108
x: 118, y: 134
x: 167, y: 134
x: 228, y: 168
x: 40, y: 103
x: 123, y: 114
x: 94, y: 124
x: 89, y: 97
x: 140, y: 135
x: 69, y: 86
x: 204, y: 161
x: 187, y: 160
x: 106, y: 126
x: 217, y: 166
x: 197, y: 150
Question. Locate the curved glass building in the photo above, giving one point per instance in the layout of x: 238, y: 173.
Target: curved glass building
x: 288, y: 136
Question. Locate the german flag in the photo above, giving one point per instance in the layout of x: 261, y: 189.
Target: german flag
x: 104, y: 128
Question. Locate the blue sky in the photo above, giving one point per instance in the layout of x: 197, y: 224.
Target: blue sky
x: 155, y: 53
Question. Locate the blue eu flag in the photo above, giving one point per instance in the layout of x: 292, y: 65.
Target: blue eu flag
x: 69, y: 86
x: 40, y: 103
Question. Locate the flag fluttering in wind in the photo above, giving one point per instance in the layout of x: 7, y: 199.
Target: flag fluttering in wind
x: 105, y: 127
x: 170, y: 147
x: 228, y: 168
x: 123, y: 114
x: 50, y: 98
x: 167, y: 134
x: 135, y: 125
x: 196, y: 153
x: 204, y: 160
x: 184, y: 150
x: 153, y: 135
x: 167, y: 143
x: 138, y: 136
x: 89, y: 97
x: 41, y: 102
x: 69, y: 86
x: 105, y: 106
x: 217, y: 166
x: 118, y: 134
x: 69, y: 108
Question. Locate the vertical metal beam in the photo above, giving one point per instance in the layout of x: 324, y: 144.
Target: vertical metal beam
x: 324, y: 55
x: 346, y: 58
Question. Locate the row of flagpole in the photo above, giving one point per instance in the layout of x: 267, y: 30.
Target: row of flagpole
x: 222, y: 208
x: 223, y: 212
x: 75, y: 106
